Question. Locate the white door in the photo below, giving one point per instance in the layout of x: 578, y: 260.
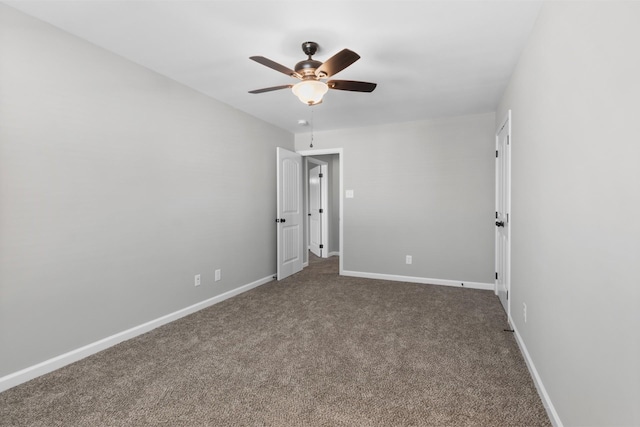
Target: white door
x: 315, y: 211
x: 289, y: 212
x: 503, y: 208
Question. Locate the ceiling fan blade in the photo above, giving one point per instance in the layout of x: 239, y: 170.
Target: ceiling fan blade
x: 275, y: 66
x: 351, y: 85
x: 337, y: 63
x: 269, y: 89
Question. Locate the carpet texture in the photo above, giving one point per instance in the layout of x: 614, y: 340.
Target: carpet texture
x: 315, y: 349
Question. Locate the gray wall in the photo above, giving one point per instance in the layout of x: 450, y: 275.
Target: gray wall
x: 117, y: 185
x: 576, y: 208
x: 424, y: 189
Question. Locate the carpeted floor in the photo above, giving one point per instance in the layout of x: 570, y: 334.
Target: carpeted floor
x: 315, y: 349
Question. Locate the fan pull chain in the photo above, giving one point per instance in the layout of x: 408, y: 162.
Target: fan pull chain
x: 311, y: 145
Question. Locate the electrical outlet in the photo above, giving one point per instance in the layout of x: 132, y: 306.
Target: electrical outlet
x: 217, y: 275
x: 524, y: 312
x: 409, y: 259
x: 197, y: 280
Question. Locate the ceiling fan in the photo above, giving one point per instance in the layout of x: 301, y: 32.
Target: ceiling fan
x: 310, y: 72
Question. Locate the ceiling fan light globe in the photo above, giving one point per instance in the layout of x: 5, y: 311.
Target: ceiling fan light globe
x: 310, y: 92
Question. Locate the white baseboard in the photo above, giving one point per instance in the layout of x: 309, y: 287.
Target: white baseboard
x: 422, y: 280
x: 542, y: 391
x: 334, y: 253
x: 58, y: 362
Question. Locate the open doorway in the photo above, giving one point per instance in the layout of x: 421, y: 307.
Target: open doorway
x: 334, y: 230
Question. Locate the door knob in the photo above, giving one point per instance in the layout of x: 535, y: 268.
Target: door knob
x: 281, y: 220
x: 500, y: 223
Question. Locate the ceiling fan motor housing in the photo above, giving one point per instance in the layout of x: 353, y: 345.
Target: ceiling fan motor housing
x: 308, y: 67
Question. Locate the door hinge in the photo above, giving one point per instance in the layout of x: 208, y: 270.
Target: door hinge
x: 321, y: 246
x: 496, y: 215
x: 320, y: 175
x: 507, y: 294
x: 496, y: 154
x: 321, y: 210
x: 496, y: 275
x: 508, y: 139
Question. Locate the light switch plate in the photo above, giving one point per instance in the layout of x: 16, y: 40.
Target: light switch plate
x: 349, y: 194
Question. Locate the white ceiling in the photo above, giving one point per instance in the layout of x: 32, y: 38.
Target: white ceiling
x: 429, y: 58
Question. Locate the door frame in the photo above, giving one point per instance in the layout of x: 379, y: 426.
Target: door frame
x: 324, y: 203
x: 508, y: 222
x: 339, y: 152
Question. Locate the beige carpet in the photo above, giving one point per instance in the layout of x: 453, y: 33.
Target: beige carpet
x: 315, y: 349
